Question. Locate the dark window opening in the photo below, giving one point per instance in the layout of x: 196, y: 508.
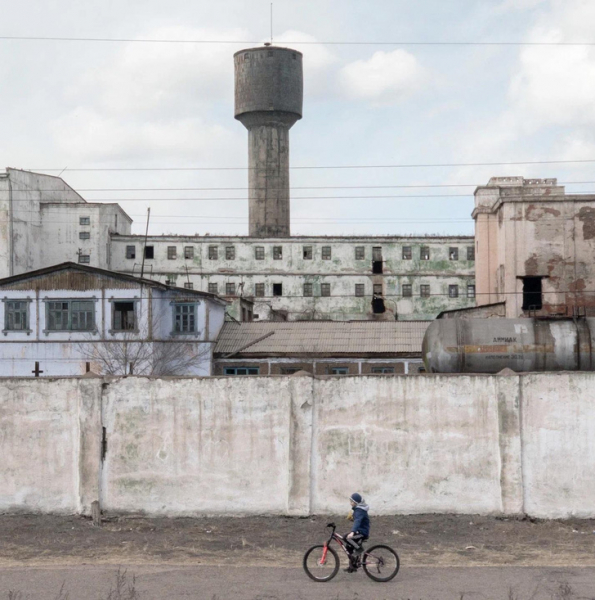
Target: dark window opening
x: 130, y: 251
x: 453, y: 291
x: 277, y: 289
x: 407, y: 290
x: 188, y: 252
x: 241, y: 370
x: 377, y: 259
x: 149, y: 252
x: 532, y: 293
x: 277, y: 252
x: 406, y: 252
x: 424, y: 253
x: 377, y: 266
x: 378, y: 305
x: 124, y: 316
x: 213, y: 252
x: 453, y: 254
x: 307, y: 252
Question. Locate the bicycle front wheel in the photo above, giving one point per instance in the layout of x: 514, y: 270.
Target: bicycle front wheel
x: 381, y: 563
x: 320, y: 565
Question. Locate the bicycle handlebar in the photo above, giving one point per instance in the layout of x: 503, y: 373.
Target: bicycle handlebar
x: 331, y: 525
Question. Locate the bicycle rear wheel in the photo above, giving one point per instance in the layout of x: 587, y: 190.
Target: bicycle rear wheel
x: 381, y: 563
x: 320, y: 565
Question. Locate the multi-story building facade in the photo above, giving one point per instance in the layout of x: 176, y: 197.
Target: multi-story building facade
x: 305, y: 278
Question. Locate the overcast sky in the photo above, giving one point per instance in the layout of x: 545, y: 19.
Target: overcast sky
x: 73, y: 105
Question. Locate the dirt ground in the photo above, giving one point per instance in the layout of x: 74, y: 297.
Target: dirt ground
x: 421, y: 540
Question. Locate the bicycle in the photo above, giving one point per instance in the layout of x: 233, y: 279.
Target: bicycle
x: 321, y: 562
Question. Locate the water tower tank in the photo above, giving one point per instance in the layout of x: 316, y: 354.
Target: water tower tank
x: 269, y: 93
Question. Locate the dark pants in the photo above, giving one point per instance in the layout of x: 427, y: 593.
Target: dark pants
x: 354, y: 542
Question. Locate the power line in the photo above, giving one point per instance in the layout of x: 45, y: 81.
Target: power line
x: 395, y: 166
x: 24, y: 38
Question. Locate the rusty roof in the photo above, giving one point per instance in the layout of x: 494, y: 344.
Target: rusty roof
x: 276, y: 338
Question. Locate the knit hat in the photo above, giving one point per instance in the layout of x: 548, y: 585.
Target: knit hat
x: 356, y: 498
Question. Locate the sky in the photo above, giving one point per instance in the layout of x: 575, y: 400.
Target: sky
x: 153, y: 108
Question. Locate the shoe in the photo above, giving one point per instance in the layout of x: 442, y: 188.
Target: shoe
x: 350, y: 569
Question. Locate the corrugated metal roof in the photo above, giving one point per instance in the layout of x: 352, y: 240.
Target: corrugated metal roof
x: 322, y: 337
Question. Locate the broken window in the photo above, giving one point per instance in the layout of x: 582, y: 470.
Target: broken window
x: 230, y: 289
x: 230, y: 252
x: 453, y: 291
x: 213, y: 252
x: 424, y: 290
x: 377, y: 289
x: 470, y: 252
x: 453, y: 254
x: 532, y: 293
x: 130, y: 251
x: 326, y: 253
x: 277, y: 289
x: 377, y: 260
x: 84, y: 220
x: 123, y: 317
x: 171, y: 253
x: 84, y: 235
x: 360, y: 289
x: 184, y: 318
x: 277, y: 252
x: 149, y: 252
x: 470, y: 291
x: 188, y: 285
x: 84, y: 259
x: 360, y: 252
x: 307, y: 252
x: 377, y: 300
x: 308, y: 291
x: 188, y: 252
x: 71, y: 315
x: 213, y: 288
x: 259, y: 252
x: 424, y: 253
x: 259, y: 290
x: 407, y: 290
x: 289, y: 370
x: 325, y: 289
x: 16, y: 315
x: 406, y: 252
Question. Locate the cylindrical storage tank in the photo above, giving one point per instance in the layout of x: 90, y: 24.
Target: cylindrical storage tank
x: 268, y: 101
x: 490, y: 345
x: 268, y: 79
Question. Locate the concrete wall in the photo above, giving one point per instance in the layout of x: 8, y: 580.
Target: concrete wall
x: 298, y: 445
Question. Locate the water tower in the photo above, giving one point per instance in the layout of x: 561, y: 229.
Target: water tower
x: 269, y: 91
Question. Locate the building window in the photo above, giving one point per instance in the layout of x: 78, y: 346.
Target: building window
x: 84, y: 259
x: 424, y: 253
x: 149, y: 252
x: 453, y: 254
x: 184, y: 318
x: 470, y: 252
x: 532, y: 293
x: 470, y: 291
x: 123, y: 316
x: 188, y: 252
x: 308, y: 289
x: 171, y: 253
x: 213, y: 288
x: 230, y: 289
x: 259, y: 290
x: 289, y: 370
x: 377, y: 289
x: 325, y: 289
x: 453, y: 291
x: 424, y: 290
x: 130, y: 251
x: 259, y: 252
x: 84, y: 235
x: 307, y: 252
x: 277, y: 252
x: 339, y: 371
x: 326, y: 253
x: 407, y: 290
x: 360, y: 289
x: 406, y: 252
x: 213, y: 252
x: 230, y: 252
x: 277, y: 289
x: 84, y: 220
x: 241, y: 370
x: 16, y: 315
x: 188, y: 285
x: 71, y: 315
x: 377, y: 265
x: 360, y: 252
x: 383, y: 370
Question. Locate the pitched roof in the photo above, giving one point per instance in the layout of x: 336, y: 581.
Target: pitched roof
x: 86, y: 269
x: 321, y: 337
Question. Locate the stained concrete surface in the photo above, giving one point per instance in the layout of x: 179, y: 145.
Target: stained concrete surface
x: 276, y: 583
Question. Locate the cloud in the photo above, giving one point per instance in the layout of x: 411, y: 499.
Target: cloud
x: 384, y: 79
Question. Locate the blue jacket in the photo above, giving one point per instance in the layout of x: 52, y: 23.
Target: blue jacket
x: 361, y: 521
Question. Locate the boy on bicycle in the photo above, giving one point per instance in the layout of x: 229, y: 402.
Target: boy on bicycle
x: 360, y: 531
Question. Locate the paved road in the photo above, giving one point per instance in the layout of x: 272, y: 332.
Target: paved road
x: 272, y: 583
